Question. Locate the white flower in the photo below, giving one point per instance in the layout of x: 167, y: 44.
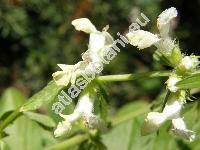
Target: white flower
x: 180, y: 129
x: 156, y: 118
x: 85, y: 106
x: 172, y: 111
x: 189, y: 63
x: 153, y: 121
x: 98, y: 42
x: 63, y: 127
x: 84, y: 24
x: 84, y: 110
x: 164, y: 19
x: 171, y: 83
x: 142, y: 39
x: 68, y: 73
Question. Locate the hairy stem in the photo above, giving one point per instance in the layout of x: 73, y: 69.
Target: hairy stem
x: 129, y: 77
x: 70, y: 142
x: 165, y: 100
x: 9, y: 119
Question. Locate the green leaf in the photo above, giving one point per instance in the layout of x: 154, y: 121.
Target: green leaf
x: 40, y: 118
x: 6, y: 114
x: 191, y: 118
x: 24, y: 134
x: 190, y: 82
x: 127, y: 136
x: 46, y: 95
x: 130, y: 111
x: 11, y: 99
x: 3, y: 145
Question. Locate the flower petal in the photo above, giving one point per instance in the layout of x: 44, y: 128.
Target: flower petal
x: 96, y: 42
x: 172, y: 111
x: 85, y: 105
x: 61, y: 78
x: 64, y: 126
x: 180, y: 129
x: 108, y: 38
x: 65, y: 67
x: 142, y: 39
x: 171, y: 83
x: 153, y: 121
x: 84, y: 24
x: 72, y: 117
x: 163, y: 21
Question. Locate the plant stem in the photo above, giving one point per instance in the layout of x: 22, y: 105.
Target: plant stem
x: 165, y: 100
x: 70, y: 142
x: 128, y: 77
x: 9, y: 119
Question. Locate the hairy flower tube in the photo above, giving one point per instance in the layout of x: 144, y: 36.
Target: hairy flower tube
x: 84, y: 110
x: 98, y: 43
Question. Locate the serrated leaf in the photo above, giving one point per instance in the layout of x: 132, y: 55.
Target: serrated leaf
x: 40, y: 118
x: 46, y: 95
x: 190, y: 82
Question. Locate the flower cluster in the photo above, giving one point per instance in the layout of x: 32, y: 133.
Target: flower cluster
x: 84, y: 110
x: 98, y: 43
x: 167, y: 51
x: 171, y: 112
x: 182, y: 66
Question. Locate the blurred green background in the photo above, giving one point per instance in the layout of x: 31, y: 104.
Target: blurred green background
x: 36, y: 35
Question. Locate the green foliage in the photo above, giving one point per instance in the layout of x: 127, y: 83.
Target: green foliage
x: 46, y: 95
x: 190, y: 82
x: 42, y: 119
x: 24, y: 134
x: 10, y: 100
x: 127, y: 135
